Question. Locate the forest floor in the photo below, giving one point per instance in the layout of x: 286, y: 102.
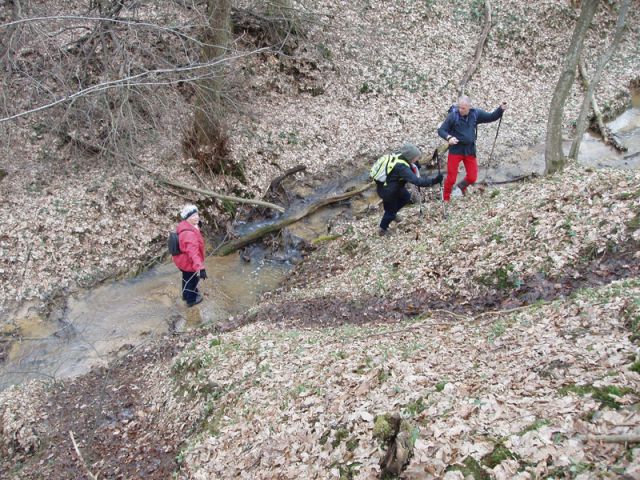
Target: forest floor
x: 502, y: 349
x: 504, y: 336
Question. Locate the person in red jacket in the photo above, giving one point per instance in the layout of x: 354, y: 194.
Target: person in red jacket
x: 191, y: 259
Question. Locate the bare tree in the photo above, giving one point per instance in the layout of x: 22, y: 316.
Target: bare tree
x: 554, y: 157
x: 101, y: 79
x: 209, y: 141
x: 581, y: 124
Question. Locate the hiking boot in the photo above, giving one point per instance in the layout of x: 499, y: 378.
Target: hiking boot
x: 463, y: 187
x: 196, y: 301
x: 382, y: 232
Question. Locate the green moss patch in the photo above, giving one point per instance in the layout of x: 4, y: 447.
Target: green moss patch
x: 470, y: 466
x: 497, y: 456
x: 605, y: 395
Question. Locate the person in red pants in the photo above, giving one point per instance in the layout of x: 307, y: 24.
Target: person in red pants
x: 460, y: 130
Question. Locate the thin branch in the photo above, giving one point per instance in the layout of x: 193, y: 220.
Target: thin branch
x: 625, y: 438
x: 106, y: 20
x: 204, y: 184
x: 219, y: 196
x: 75, y: 446
x: 127, y: 81
x: 208, y: 192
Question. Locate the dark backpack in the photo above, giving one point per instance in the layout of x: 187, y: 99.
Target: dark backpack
x: 456, y: 115
x: 173, y: 244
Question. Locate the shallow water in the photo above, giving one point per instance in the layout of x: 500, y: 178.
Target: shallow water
x: 119, y: 315
x: 593, y: 152
x: 115, y: 317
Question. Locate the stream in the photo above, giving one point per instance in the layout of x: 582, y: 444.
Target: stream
x: 102, y: 323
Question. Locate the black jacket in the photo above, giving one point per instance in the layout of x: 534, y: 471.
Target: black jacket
x: 464, y: 128
x: 398, y: 178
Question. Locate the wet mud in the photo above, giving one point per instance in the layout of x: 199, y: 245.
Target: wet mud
x: 335, y: 311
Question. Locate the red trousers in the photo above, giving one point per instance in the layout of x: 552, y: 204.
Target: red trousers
x: 453, y: 162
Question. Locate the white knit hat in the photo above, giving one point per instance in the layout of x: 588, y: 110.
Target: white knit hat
x: 187, y: 211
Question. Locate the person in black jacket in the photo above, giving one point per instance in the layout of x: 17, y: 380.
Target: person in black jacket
x: 402, y: 167
x: 460, y: 130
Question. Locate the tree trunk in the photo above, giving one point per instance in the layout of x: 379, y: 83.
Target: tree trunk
x: 208, y: 117
x: 553, y: 155
x: 581, y: 125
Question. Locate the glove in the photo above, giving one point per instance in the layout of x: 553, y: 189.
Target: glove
x: 438, y: 179
x: 203, y: 274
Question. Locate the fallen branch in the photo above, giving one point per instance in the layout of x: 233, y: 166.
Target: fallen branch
x: 209, y: 193
x: 626, y: 438
x: 278, y: 224
x: 590, y: 86
x: 75, y: 446
x: 521, y: 178
x: 476, y: 60
x: 607, y: 136
x: 219, y: 196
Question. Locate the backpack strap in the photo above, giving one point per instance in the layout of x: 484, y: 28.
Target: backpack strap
x: 392, y: 162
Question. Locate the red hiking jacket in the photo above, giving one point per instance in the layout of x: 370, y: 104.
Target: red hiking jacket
x: 192, y: 247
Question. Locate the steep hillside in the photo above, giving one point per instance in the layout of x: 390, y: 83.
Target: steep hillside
x: 366, y: 77
x: 498, y: 342
x: 505, y: 338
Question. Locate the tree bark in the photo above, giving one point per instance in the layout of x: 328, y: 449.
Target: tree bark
x: 553, y: 155
x: 589, y: 97
x: 287, y: 219
x: 476, y: 60
x: 208, y: 117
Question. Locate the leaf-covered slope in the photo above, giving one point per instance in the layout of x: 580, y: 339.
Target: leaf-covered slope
x: 527, y: 383
x: 304, y: 404
x: 493, y: 243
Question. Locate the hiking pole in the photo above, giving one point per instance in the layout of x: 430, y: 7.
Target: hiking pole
x: 494, y: 145
x: 437, y: 159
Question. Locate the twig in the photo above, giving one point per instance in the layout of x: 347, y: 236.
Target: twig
x: 624, y: 438
x: 199, y: 177
x: 134, y: 80
x: 521, y: 178
x: 75, y: 446
x: 208, y: 192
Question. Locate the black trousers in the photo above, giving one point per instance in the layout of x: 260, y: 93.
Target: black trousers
x: 392, y: 204
x: 190, y: 286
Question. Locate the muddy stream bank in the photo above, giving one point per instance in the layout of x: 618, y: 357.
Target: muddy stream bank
x: 103, y: 323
